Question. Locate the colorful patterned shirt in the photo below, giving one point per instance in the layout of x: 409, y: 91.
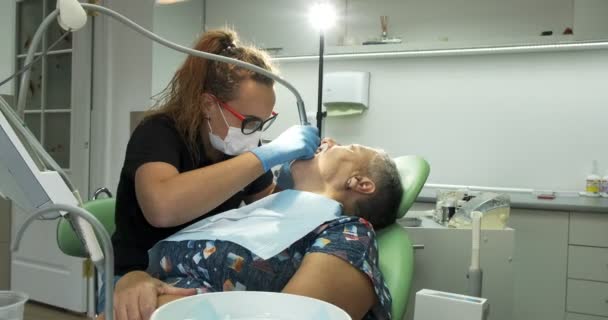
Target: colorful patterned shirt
x: 225, y: 266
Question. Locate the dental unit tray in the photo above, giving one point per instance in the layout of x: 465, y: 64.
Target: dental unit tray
x: 495, y: 208
x: 454, y: 208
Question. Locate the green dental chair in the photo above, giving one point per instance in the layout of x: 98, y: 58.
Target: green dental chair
x: 395, y: 249
x: 102, y: 209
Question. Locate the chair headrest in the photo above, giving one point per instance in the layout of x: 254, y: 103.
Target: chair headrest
x: 414, y: 171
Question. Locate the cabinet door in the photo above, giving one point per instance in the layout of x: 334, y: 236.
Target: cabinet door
x: 589, y: 229
x: 588, y: 297
x: 281, y: 27
x: 576, y: 316
x: 443, y: 263
x: 540, y: 263
x: 588, y: 263
x: 590, y: 20
x: 466, y: 22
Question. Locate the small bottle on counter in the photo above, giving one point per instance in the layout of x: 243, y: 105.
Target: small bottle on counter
x: 593, y: 181
x: 604, y: 185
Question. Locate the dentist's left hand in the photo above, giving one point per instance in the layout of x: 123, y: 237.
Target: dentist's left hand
x: 136, y: 295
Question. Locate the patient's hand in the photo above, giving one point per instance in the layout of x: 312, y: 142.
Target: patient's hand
x: 166, y: 298
x: 137, y: 295
x: 162, y: 300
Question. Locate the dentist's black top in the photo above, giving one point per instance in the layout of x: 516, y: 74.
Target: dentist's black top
x: 156, y: 139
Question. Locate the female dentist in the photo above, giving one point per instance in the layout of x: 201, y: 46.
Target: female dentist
x: 197, y: 155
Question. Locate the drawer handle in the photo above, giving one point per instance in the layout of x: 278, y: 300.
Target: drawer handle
x: 418, y: 246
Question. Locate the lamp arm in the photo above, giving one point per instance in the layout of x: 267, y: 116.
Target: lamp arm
x: 25, y: 78
x: 106, y: 244
x: 126, y: 21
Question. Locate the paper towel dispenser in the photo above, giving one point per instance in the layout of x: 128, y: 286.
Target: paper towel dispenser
x: 346, y: 92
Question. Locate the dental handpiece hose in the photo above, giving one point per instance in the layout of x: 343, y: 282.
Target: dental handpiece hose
x: 475, y: 274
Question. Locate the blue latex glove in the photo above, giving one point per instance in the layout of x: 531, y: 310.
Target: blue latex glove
x: 297, y: 142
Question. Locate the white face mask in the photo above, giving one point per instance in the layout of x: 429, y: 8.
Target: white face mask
x: 235, y: 142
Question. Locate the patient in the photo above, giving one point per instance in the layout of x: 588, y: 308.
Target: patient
x: 336, y: 262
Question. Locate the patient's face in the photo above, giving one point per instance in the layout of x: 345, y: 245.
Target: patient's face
x: 335, y: 163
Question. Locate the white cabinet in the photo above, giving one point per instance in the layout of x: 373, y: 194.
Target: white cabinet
x: 560, y: 264
x: 589, y: 229
x: 588, y: 264
x: 588, y: 297
x: 578, y: 316
x: 281, y: 27
x: 540, y: 263
x: 590, y: 21
x: 443, y: 263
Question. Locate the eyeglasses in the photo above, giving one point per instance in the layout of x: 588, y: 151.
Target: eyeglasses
x: 249, y: 124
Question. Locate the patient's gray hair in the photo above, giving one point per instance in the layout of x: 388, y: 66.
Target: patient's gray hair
x: 380, y: 208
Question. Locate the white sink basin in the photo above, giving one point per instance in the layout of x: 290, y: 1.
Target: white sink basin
x: 249, y: 305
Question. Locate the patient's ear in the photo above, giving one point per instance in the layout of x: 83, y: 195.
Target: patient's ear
x: 361, y: 184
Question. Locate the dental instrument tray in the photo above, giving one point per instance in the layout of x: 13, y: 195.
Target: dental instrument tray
x: 454, y: 208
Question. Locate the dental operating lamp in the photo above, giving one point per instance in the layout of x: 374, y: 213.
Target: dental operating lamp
x: 25, y: 164
x: 322, y: 16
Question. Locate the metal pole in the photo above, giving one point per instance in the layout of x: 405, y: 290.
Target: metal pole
x: 320, y: 89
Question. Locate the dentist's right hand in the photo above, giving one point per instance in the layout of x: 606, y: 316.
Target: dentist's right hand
x: 297, y: 142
